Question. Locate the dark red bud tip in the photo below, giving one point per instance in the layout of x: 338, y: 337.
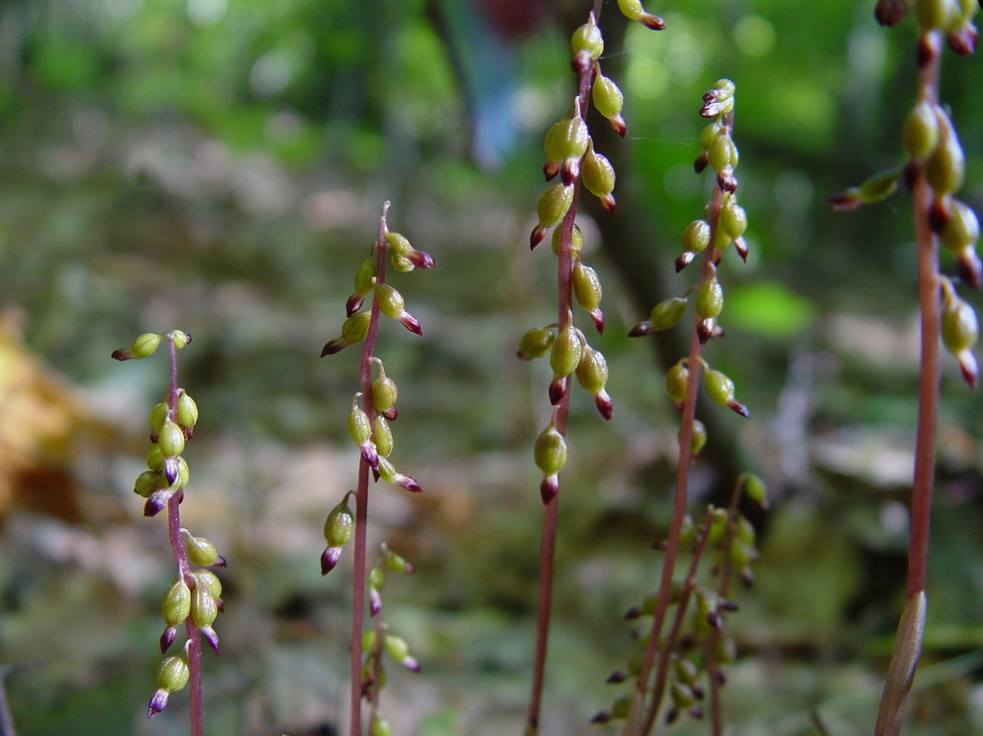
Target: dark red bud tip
x: 726, y: 605
x: 618, y: 125
x: 740, y: 245
x: 726, y: 180
x: 844, y: 201
x: 370, y: 455
x: 672, y: 716
x: 601, y: 718
x: 353, y: 304
x: 167, y: 638
x: 558, y: 389
x: 890, y: 12
x: 421, y: 260
x: 701, y: 162
x: 970, y: 269
x: 926, y: 51
x: 715, y: 620
x: 550, y: 170
x: 684, y: 260
x: 598, y: 317
x: 641, y: 329
x: 721, y: 677
x: 391, y: 414
x: 569, y: 170
x: 329, y: 558
x: 696, y: 711
x: 581, y: 62
x: 220, y: 562
x: 212, y: 638
x: 411, y: 664
x: 333, y: 347
x: 220, y: 605
x: 121, y: 355
x: 522, y: 356
x: 157, y: 703
x: 409, y: 483
x: 155, y: 504
x: 963, y: 40
x: 608, y: 203
x: 375, y: 603
x: 653, y: 21
x: 616, y: 678
x: 704, y: 329
x: 604, y: 405
x: 536, y: 237
x: 969, y: 368
x: 697, y: 691
x: 738, y: 408
x: 411, y: 323
x: 633, y: 613
x: 549, y: 488
x: 938, y: 215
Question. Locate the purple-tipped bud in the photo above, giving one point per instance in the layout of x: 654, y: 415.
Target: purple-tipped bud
x: 608, y: 203
x: 581, y: 62
x: 963, y: 40
x: 122, y: 355
x: 353, y: 304
x: 391, y: 414
x: 715, y: 620
x: 846, y: 200
x: 618, y: 125
x: 171, y: 467
x: 684, y: 260
x: 558, y: 389
x: 969, y: 268
x: 333, y: 347
x: 211, y: 636
x: 329, y: 559
x: 167, y: 638
x: 408, y: 482
x: 890, y: 12
x: 653, y: 22
x: 598, y: 317
x: 616, y: 678
x: 641, y: 329
x: 569, y: 170
x: 969, y: 368
x: 701, y: 162
x: 551, y: 169
x: 410, y: 322
x: 420, y: 259
x: 740, y: 245
x: 159, y: 700
x: 537, y: 236
x: 156, y: 503
x: 604, y: 404
x: 726, y: 180
x: 411, y: 663
x: 375, y: 602
x: 601, y: 717
x: 705, y: 329
x: 549, y: 488
x: 738, y: 408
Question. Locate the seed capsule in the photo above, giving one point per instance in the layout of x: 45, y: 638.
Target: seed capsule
x: 709, y: 299
x: 609, y: 101
x: 587, y: 289
x: 667, y: 313
x: 382, y: 435
x: 173, y: 674
x: 676, y: 379
x: 721, y: 390
x: 961, y: 228
x: 588, y: 38
x: 353, y: 331
x: 553, y: 204
x: 733, y: 219
x: 710, y: 134
x: 147, y: 482
x: 392, y: 304
x: 723, y: 153
x: 946, y: 166
x: 599, y: 174
x: 566, y: 350
x: 145, y: 345
x: 550, y: 451
x: 204, y: 607
x: 879, y: 187
x: 567, y: 139
x: 171, y: 439
x: 921, y: 130
x: 384, y: 390
x: 158, y: 415
x: 176, y: 605
x: 210, y: 581
x: 535, y: 343
x: 200, y: 551
x: 633, y: 10
x: 592, y: 374
x: 381, y: 727
x: 960, y: 328
x: 187, y: 411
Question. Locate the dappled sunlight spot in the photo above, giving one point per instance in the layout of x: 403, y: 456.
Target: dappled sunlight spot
x: 531, y: 108
x: 685, y: 58
x: 330, y: 209
x: 206, y: 12
x: 271, y: 73
x: 754, y: 35
x: 647, y: 78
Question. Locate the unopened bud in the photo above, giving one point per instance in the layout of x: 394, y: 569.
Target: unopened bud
x: 384, y: 389
x: 587, y: 289
x: 200, y: 551
x: 721, y: 390
x: 698, y: 438
x: 599, y: 176
x: 340, y: 525
x: 392, y: 305
x: 176, y: 604
x: 588, y: 38
x: 710, y: 299
x: 576, y: 240
x: 567, y: 139
x: 677, y: 378
x: 723, y: 153
x: 754, y: 489
x: 360, y: 429
x: 145, y: 345
x: 353, y: 331
x: 733, y: 219
x: 667, y: 313
x: 946, y: 165
x: 921, y: 130
x: 171, y: 439
x: 633, y: 10
x: 552, y: 206
x: 609, y: 101
x: 566, y: 350
x: 961, y: 227
x: 536, y: 343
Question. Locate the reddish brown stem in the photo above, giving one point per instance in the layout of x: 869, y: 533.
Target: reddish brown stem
x: 362, y: 492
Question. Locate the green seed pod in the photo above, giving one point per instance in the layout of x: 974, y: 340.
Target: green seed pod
x: 147, y: 482
x: 381, y: 727
x: 158, y: 415
x: 536, y: 342
x: 733, y: 219
x: 391, y: 302
x: 180, y: 338
x: 553, y: 204
x: 960, y: 328
x: 210, y: 582
x: 567, y: 139
x: 719, y: 387
x: 879, y: 187
x: 588, y: 38
x: 710, y: 134
x: 355, y: 328
x: 363, y: 277
x: 667, y: 313
x: 396, y: 647
x: 399, y: 243
x: 187, y: 410
x: 696, y: 236
x: 722, y: 153
x: 369, y: 640
x: 586, y: 287
x: 961, y: 228
x: 377, y: 578
x: 592, y: 371
x: 173, y: 674
x: 937, y: 14
x: 598, y: 173
x: 566, y: 350
x: 340, y: 525
x: 382, y: 435
x: 608, y: 98
x: 576, y: 240
x: 676, y: 379
x: 155, y: 458
x: 921, y: 130
x: 204, y: 607
x: 145, y: 345
x: 754, y: 489
x: 200, y: 551
x: 550, y: 451
x: 698, y: 438
x: 709, y: 299
x: 384, y: 390
x: 171, y: 439
x: 176, y: 605
x: 946, y: 166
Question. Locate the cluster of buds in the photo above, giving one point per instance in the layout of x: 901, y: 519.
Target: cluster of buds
x: 700, y: 645
x: 960, y: 330
x: 954, y: 18
x: 718, y: 386
x: 194, y: 599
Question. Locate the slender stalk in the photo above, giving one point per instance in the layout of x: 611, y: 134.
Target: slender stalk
x: 6, y: 718
x: 362, y: 493
x: 907, y: 645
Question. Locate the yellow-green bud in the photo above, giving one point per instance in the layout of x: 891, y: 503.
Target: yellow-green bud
x: 363, y: 277
x: 400, y: 263
x: 722, y: 153
x: 960, y: 328
x: 381, y: 727
x: 754, y: 489
x: 608, y: 98
x: 200, y: 550
x: 147, y: 482
x: 173, y: 674
x: 553, y: 204
x: 377, y: 578
x: 586, y: 287
x: 382, y: 435
x: 709, y: 299
x: 710, y: 134
x: 384, y: 390
x: 576, y: 240
x: 209, y: 580
x: 171, y: 439
x: 354, y: 329
x: 719, y: 387
x: 550, y: 451
x: 588, y: 38
x: 598, y: 173
x: 676, y: 379
x: 921, y: 130
x: 946, y: 166
x: 667, y: 313
x: 536, y: 342
x: 176, y: 605
x: 145, y: 345
x: 180, y: 338
x: 961, y: 228
x: 187, y: 410
x: 566, y: 350
x: 396, y: 647
x: 937, y: 14
x: 592, y: 371
x: 204, y: 607
x: 696, y: 236
x: 733, y: 219
x: 359, y: 426
x: 567, y: 139
x: 399, y: 243
x: 698, y: 437
x: 155, y: 458
x: 340, y: 525
x: 391, y: 302
x: 157, y: 416
x: 369, y: 640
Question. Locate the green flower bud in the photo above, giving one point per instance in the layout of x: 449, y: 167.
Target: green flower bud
x: 209, y: 581
x: 171, y: 439
x: 369, y: 640
x: 173, y: 674
x: 686, y: 671
x: 200, y: 550
x: 553, y: 204
x: 741, y: 555
x: 155, y: 458
x: 879, y: 187
x: 381, y: 727
x: 363, y: 277
x: 157, y: 416
x: 384, y: 390
x: 550, y: 451
x: 676, y: 379
x: 608, y: 98
x: 187, y: 410
x: 937, y: 14
x: 667, y: 313
x: 946, y: 165
x: 147, y: 482
x: 182, y: 474
x: 744, y: 531
x: 536, y: 342
x: 204, y: 607
x: 725, y: 650
x: 721, y: 390
x: 145, y: 345
x: 710, y: 134
x: 718, y: 525
x: 698, y: 438
x: 586, y: 287
x: 395, y: 562
x: 961, y: 228
x: 960, y: 328
x: 396, y: 647
x: 567, y: 139
x: 588, y: 38
x: 566, y: 351
x: 576, y: 239
x: 722, y: 153
x: 176, y: 605
x: 709, y: 299
x: 921, y: 130
x: 696, y: 236
x: 733, y: 219
x: 377, y: 578
x: 400, y: 263
x: 391, y: 302
x: 592, y: 371
x: 360, y: 429
x: 382, y: 435
x: 754, y: 489
x: 598, y: 173
x: 682, y: 696
x: 340, y: 525
x: 633, y: 10
x: 353, y: 331
x: 180, y: 338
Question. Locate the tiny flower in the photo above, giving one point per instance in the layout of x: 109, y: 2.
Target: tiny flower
x: 360, y: 430
x: 609, y: 101
x: 353, y: 331
x: 392, y: 305
x: 552, y: 206
x: 721, y: 390
x: 536, y: 343
x: 587, y: 289
x: 363, y: 285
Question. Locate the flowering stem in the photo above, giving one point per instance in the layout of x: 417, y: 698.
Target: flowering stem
x: 907, y: 645
x: 362, y: 493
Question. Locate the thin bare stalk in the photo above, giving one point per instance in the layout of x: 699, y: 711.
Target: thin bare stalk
x: 362, y: 494
x: 6, y: 718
